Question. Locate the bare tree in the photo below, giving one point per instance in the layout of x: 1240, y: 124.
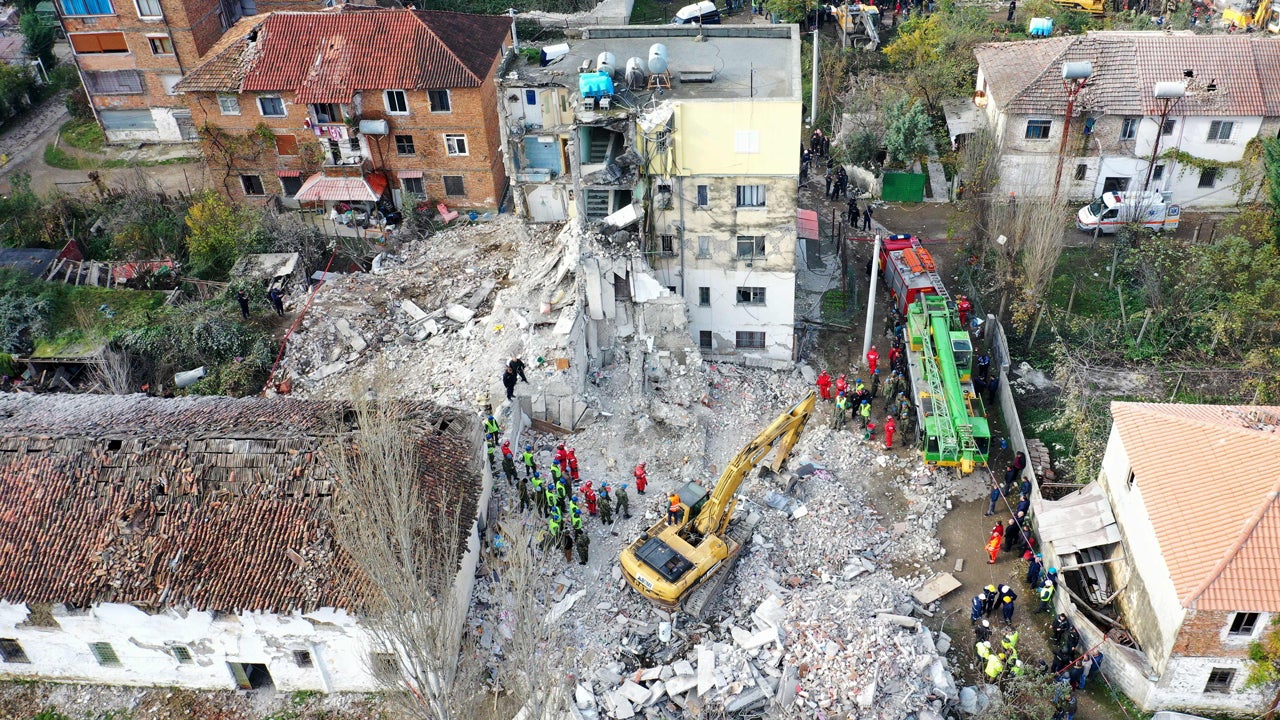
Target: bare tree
x: 981, y: 176
x: 407, y: 541
x: 113, y: 373
x: 1041, y: 248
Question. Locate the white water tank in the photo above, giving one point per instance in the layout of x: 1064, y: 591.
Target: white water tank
x: 606, y: 62
x: 657, y: 58
x: 636, y: 75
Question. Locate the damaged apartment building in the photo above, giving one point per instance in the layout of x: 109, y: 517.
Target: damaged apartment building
x: 686, y: 137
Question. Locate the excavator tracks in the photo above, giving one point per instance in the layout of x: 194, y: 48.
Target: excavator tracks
x: 697, y: 601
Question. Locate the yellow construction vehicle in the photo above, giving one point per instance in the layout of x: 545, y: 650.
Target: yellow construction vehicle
x: 684, y: 564
x: 1093, y: 7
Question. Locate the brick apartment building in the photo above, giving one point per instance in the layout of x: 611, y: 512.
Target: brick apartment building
x: 131, y: 53
x: 355, y: 104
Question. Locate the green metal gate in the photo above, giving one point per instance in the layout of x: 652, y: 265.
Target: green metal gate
x: 903, y: 187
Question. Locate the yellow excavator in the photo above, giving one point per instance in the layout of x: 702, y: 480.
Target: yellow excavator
x: 684, y: 565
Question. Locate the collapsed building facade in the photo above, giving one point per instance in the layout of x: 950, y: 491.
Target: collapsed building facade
x: 688, y: 138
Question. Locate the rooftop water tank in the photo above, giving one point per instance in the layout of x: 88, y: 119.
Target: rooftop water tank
x: 657, y: 58
x: 636, y: 75
x: 1040, y: 27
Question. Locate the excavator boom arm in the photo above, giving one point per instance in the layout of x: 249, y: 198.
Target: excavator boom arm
x: 782, y: 435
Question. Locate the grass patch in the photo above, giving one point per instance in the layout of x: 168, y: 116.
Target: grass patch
x: 648, y: 11
x: 835, y: 306
x: 55, y: 156
x: 84, y: 135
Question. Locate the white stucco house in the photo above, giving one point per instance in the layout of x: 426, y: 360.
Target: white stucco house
x: 188, y: 542
x: 1204, y: 157
x: 1178, y: 540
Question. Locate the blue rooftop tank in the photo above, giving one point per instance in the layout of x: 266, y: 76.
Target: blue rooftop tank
x: 595, y: 85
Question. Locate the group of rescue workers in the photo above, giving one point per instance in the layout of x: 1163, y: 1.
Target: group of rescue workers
x: 858, y: 399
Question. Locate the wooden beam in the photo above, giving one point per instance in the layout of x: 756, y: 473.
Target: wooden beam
x: 1091, y: 563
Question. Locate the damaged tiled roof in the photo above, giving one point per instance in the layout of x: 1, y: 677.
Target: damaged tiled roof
x: 1026, y: 77
x: 326, y: 56
x: 1209, y: 477
x: 227, y: 62
x: 202, y: 502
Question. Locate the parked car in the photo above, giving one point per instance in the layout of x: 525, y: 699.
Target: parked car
x: 704, y: 13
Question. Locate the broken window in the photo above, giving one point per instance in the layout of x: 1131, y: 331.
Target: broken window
x: 704, y: 246
x: 704, y: 340
x: 750, y: 196
x: 455, y: 144
x: 1081, y: 169
x: 11, y: 651
x: 750, y: 246
x: 327, y: 112
x: 105, y: 654
x: 667, y: 244
x: 750, y: 296
x: 453, y: 185
x: 303, y: 659
x: 439, y: 100
x: 1129, y: 128
x: 1220, y: 680
x: 749, y: 339
x: 1243, y: 624
x: 250, y: 676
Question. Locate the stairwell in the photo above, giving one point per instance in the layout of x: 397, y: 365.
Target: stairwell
x: 597, y: 202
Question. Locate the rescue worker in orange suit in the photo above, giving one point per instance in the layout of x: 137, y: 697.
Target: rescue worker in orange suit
x: 573, y: 465
x: 842, y: 385
x: 873, y: 358
x: 673, y: 509
x: 642, y: 479
x: 824, y: 385
x: 889, y: 427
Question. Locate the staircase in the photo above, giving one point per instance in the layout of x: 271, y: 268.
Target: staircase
x: 598, y: 149
x: 597, y: 202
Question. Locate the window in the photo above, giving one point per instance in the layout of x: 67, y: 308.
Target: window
x: 1129, y: 129
x: 105, y: 654
x: 327, y: 112
x: 1081, y: 170
x: 455, y: 144
x: 667, y: 244
x: 252, y: 185
x: 414, y: 186
x: 1243, y: 623
x: 453, y: 185
x: 1132, y: 479
x: 87, y: 7
x: 160, y: 44
x: 289, y: 186
x: 1208, y: 177
x: 12, y: 652
x: 1220, y: 130
x: 750, y: 196
x: 385, y: 666
x: 704, y: 340
x: 1157, y: 172
x: 1220, y: 680
x: 749, y: 339
x: 439, y: 100
x: 271, y: 106
x: 750, y: 296
x: 149, y: 8
x: 750, y: 246
x: 106, y: 42
x: 114, y: 82
x: 127, y: 120
x: 704, y: 246
x: 704, y: 296
x: 746, y: 141
x: 286, y: 144
x: 302, y: 658
x: 397, y: 102
x: 1167, y: 128
x: 1038, y: 129
x: 703, y: 196
x: 182, y: 654
x: 404, y: 145
x: 229, y: 104
x: 672, y: 288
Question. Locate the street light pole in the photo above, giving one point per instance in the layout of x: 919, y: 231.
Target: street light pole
x: 813, y: 83
x: 1074, y: 77
x: 1170, y: 93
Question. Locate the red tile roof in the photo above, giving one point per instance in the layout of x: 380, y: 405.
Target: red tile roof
x: 208, y: 503
x: 329, y: 55
x: 1026, y: 77
x: 1209, y: 477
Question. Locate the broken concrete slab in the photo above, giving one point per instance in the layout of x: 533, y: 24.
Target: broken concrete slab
x: 459, y: 313
x: 681, y: 684
x: 706, y: 669
x: 633, y: 692
x: 937, y: 587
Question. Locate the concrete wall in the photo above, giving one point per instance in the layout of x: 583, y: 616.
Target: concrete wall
x: 707, y: 138
x: 338, y: 645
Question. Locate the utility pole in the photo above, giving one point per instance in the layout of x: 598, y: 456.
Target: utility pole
x: 813, y: 90
x: 871, y: 297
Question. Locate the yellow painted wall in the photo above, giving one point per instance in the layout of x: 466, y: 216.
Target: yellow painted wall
x: 705, y: 133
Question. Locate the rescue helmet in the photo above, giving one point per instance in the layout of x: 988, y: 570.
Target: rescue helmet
x: 575, y: 498
x: 1000, y: 655
x: 604, y: 485
x: 528, y: 448
x: 986, y: 623
x: 570, y: 451
x: 624, y: 486
x: 556, y: 461
x: 1048, y: 583
x: 490, y: 417
x: 642, y: 465
x: 537, y: 474
x: 982, y: 596
x: 858, y: 381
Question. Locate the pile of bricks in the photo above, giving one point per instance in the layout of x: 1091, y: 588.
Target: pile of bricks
x: 1038, y: 458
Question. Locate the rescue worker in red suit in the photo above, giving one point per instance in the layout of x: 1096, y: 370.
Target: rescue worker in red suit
x: 824, y: 385
x: 842, y: 385
x: 873, y: 358
x: 894, y: 354
x: 562, y: 455
x: 642, y: 479
x: 506, y: 450
x: 889, y: 427
x: 573, y: 465
x: 964, y: 307
x: 589, y: 495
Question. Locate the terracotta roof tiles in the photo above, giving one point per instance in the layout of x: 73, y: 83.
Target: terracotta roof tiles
x: 326, y: 56
x: 209, y: 503
x: 1209, y: 477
